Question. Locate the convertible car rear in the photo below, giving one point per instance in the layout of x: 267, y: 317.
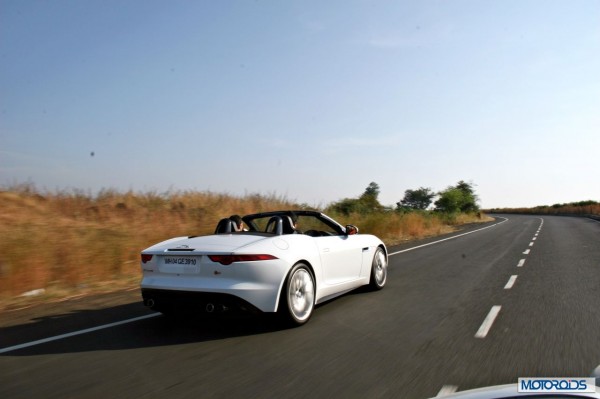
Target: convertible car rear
x: 285, y: 262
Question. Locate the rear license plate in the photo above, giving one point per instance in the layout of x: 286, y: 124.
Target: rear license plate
x: 180, y: 260
x: 180, y: 265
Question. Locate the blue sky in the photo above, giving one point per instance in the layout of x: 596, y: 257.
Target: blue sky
x: 310, y: 100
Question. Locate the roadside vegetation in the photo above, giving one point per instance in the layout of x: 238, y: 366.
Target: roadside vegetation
x: 581, y: 208
x: 60, y: 244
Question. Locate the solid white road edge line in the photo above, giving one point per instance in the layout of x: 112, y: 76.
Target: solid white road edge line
x: 511, y: 282
x: 71, y: 334
x: 446, y: 239
x: 487, y: 323
x: 446, y: 390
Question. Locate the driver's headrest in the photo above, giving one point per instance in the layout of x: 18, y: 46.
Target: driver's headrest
x: 224, y: 226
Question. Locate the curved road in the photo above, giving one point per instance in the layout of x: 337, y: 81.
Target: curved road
x: 518, y: 298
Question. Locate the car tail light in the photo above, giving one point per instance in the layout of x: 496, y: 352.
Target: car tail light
x: 146, y: 258
x: 229, y: 259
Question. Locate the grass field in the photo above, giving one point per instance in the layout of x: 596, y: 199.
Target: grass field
x: 61, y: 244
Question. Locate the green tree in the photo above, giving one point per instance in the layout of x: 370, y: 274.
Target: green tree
x: 369, y: 199
x: 459, y: 198
x: 366, y: 203
x: 470, y: 199
x: 347, y: 206
x: 420, y: 199
x: 371, y: 191
x: 450, y: 200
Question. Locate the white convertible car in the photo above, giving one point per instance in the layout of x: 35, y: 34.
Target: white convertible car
x: 284, y: 262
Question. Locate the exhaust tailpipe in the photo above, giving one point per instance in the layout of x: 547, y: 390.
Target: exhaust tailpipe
x: 210, y: 308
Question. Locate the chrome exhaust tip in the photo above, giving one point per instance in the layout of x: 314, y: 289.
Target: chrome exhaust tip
x: 210, y: 308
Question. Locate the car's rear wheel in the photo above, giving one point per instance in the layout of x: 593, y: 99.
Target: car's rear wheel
x: 378, y: 270
x: 298, y: 296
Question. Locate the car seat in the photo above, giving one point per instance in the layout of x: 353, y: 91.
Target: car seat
x: 274, y: 226
x: 287, y: 225
x: 225, y: 226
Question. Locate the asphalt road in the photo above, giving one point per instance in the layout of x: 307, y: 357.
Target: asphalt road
x: 451, y: 317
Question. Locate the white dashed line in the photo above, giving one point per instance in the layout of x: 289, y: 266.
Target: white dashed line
x: 531, y: 244
x: 521, y: 263
x: 446, y: 390
x: 534, y: 238
x: 72, y: 334
x: 511, y: 282
x: 487, y: 323
x: 526, y: 252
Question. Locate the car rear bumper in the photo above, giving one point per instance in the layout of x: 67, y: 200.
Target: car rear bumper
x: 195, y: 302
x: 257, y: 283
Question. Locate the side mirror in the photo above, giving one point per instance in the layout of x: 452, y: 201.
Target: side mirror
x: 351, y: 230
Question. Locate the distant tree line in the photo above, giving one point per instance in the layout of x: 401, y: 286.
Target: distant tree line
x: 460, y: 198
x: 581, y: 208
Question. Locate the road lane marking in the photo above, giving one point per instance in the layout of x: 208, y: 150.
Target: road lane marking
x: 534, y: 238
x: 527, y: 252
x: 531, y: 244
x: 74, y: 333
x: 511, y: 282
x: 446, y: 390
x: 521, y: 263
x: 487, y: 323
x: 446, y: 239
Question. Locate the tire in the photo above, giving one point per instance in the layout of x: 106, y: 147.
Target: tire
x: 298, y: 296
x: 378, y: 270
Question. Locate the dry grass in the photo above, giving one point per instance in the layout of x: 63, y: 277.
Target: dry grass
x: 395, y: 228
x: 72, y: 243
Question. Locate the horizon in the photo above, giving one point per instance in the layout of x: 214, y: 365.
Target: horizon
x: 30, y: 188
